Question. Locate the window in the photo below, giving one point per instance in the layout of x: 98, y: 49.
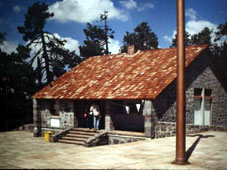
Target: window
x: 198, y: 93
x: 202, y: 103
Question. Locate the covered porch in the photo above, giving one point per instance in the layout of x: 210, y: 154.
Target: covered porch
x: 118, y: 115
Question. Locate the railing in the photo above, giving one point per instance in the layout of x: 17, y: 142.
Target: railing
x: 99, y: 139
x: 55, y: 138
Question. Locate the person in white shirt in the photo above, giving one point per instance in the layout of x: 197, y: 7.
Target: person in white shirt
x: 96, y: 115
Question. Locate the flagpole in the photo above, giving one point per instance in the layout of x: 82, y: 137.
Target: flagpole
x: 180, y: 117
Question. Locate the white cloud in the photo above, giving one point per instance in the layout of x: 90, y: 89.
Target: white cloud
x: 194, y: 26
x: 9, y: 46
x: 17, y: 8
x: 128, y: 4
x: 131, y: 4
x: 114, y: 46
x: 71, y: 44
x: 145, y: 6
x: 84, y: 11
x: 168, y: 38
x: 191, y: 13
x: 222, y: 40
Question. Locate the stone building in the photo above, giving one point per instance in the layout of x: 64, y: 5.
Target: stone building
x: 135, y: 92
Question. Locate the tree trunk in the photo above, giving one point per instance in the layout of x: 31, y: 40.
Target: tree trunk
x: 45, y: 56
x: 106, y: 39
x: 39, y: 73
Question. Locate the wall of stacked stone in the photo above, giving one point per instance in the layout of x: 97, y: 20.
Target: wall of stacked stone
x: 25, y: 127
x: 53, y: 131
x: 218, y: 128
x: 66, y: 114
x: 118, y: 139
x: 44, y: 108
x: 97, y: 140
x: 199, y: 74
x: 166, y: 129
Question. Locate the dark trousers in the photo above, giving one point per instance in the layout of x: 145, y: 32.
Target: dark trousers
x: 89, y: 122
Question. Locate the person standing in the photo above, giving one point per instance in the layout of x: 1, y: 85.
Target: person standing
x: 96, y: 115
x: 88, y: 116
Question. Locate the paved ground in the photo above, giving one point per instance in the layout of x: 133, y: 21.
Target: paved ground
x: 19, y: 149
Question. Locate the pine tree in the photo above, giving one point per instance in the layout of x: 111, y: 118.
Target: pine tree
x: 108, y: 32
x: 2, y: 37
x: 97, y: 37
x: 17, y: 84
x: 186, y: 37
x: 52, y: 53
x: 142, y: 38
x: 203, y: 37
x: 220, y: 51
x: 94, y: 43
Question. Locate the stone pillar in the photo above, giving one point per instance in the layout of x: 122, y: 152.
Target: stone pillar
x: 75, y: 123
x: 108, y: 117
x: 36, y: 119
x: 149, y: 119
x: 66, y: 114
x: 72, y: 113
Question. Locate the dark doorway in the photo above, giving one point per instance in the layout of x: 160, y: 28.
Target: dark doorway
x: 82, y: 106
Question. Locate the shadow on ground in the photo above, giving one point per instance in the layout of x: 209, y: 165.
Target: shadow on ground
x: 192, y: 148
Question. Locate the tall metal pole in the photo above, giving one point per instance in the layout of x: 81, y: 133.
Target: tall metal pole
x: 180, y: 117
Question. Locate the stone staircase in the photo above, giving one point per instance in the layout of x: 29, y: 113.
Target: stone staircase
x: 78, y: 136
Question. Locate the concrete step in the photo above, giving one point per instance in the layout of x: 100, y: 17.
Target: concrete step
x: 82, y: 133
x: 71, y: 142
x: 83, y: 129
x: 78, y: 135
x: 73, y: 138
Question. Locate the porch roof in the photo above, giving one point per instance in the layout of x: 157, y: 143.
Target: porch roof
x: 143, y: 75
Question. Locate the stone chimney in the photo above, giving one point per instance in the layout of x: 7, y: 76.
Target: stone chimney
x: 131, y: 50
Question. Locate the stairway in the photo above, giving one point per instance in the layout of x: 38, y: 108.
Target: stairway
x: 77, y: 136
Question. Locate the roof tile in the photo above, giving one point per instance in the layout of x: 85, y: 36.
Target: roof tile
x: 143, y: 75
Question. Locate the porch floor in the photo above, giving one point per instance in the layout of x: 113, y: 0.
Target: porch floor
x: 116, y: 132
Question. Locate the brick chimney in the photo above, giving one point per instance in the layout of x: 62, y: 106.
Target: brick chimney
x: 131, y: 50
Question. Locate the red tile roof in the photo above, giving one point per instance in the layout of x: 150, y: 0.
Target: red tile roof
x: 143, y: 75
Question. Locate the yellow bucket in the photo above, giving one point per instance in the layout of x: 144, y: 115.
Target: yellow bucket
x: 47, y: 136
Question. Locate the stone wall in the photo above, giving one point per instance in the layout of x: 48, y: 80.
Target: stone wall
x: 25, y: 127
x: 166, y: 129
x: 97, y: 140
x: 44, y: 109
x: 117, y: 139
x: 200, y: 74
x: 53, y: 131
x: 66, y: 114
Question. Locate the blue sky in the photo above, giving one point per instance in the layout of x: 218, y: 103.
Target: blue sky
x: 71, y: 17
